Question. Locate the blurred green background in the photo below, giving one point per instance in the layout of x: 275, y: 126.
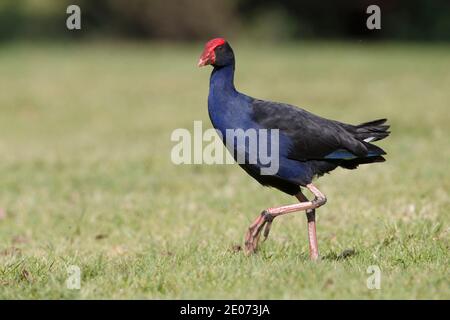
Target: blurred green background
x: 86, y: 177
x: 247, y: 19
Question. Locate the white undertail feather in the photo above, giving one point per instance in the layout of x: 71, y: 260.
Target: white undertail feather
x: 369, y: 139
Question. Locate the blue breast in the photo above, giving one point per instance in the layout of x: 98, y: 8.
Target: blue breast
x: 230, y: 109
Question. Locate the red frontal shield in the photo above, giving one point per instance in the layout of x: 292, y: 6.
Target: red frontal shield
x: 208, y: 56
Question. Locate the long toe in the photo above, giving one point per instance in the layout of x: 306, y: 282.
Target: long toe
x: 251, y: 239
x: 264, y: 221
x: 267, y: 230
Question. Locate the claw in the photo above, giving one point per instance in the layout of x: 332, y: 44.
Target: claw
x: 267, y: 230
x: 254, y: 231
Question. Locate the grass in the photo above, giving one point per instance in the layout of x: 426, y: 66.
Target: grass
x: 86, y: 176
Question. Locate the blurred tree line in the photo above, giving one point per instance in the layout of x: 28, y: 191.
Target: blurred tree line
x: 200, y: 19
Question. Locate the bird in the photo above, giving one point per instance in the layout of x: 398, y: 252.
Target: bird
x: 308, y: 145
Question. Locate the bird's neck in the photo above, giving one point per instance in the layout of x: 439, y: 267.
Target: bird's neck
x: 222, y: 80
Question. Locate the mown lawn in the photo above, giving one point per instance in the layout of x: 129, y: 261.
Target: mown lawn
x: 86, y: 177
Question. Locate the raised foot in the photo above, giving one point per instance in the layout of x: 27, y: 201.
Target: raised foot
x: 254, y: 231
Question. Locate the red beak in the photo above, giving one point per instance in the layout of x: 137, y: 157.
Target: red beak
x: 203, y: 61
x: 207, y: 57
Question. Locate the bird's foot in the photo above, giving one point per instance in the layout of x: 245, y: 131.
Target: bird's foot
x: 254, y: 231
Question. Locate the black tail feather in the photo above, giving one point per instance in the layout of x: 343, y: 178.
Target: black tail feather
x: 372, y: 130
x: 374, y: 150
x: 354, y: 163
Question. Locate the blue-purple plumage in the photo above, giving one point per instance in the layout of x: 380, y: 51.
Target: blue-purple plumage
x: 309, y: 145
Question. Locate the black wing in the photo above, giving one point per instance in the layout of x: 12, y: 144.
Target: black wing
x: 312, y: 137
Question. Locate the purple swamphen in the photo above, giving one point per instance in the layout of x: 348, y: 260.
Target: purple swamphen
x: 308, y: 145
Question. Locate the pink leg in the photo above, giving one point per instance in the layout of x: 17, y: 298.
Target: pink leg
x: 267, y: 216
x: 312, y: 237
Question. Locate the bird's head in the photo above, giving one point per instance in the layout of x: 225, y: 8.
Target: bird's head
x: 217, y: 53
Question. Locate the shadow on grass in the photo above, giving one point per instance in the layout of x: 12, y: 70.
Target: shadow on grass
x: 334, y: 256
x: 270, y: 255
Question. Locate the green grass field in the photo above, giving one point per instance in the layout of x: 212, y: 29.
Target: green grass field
x: 86, y: 177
